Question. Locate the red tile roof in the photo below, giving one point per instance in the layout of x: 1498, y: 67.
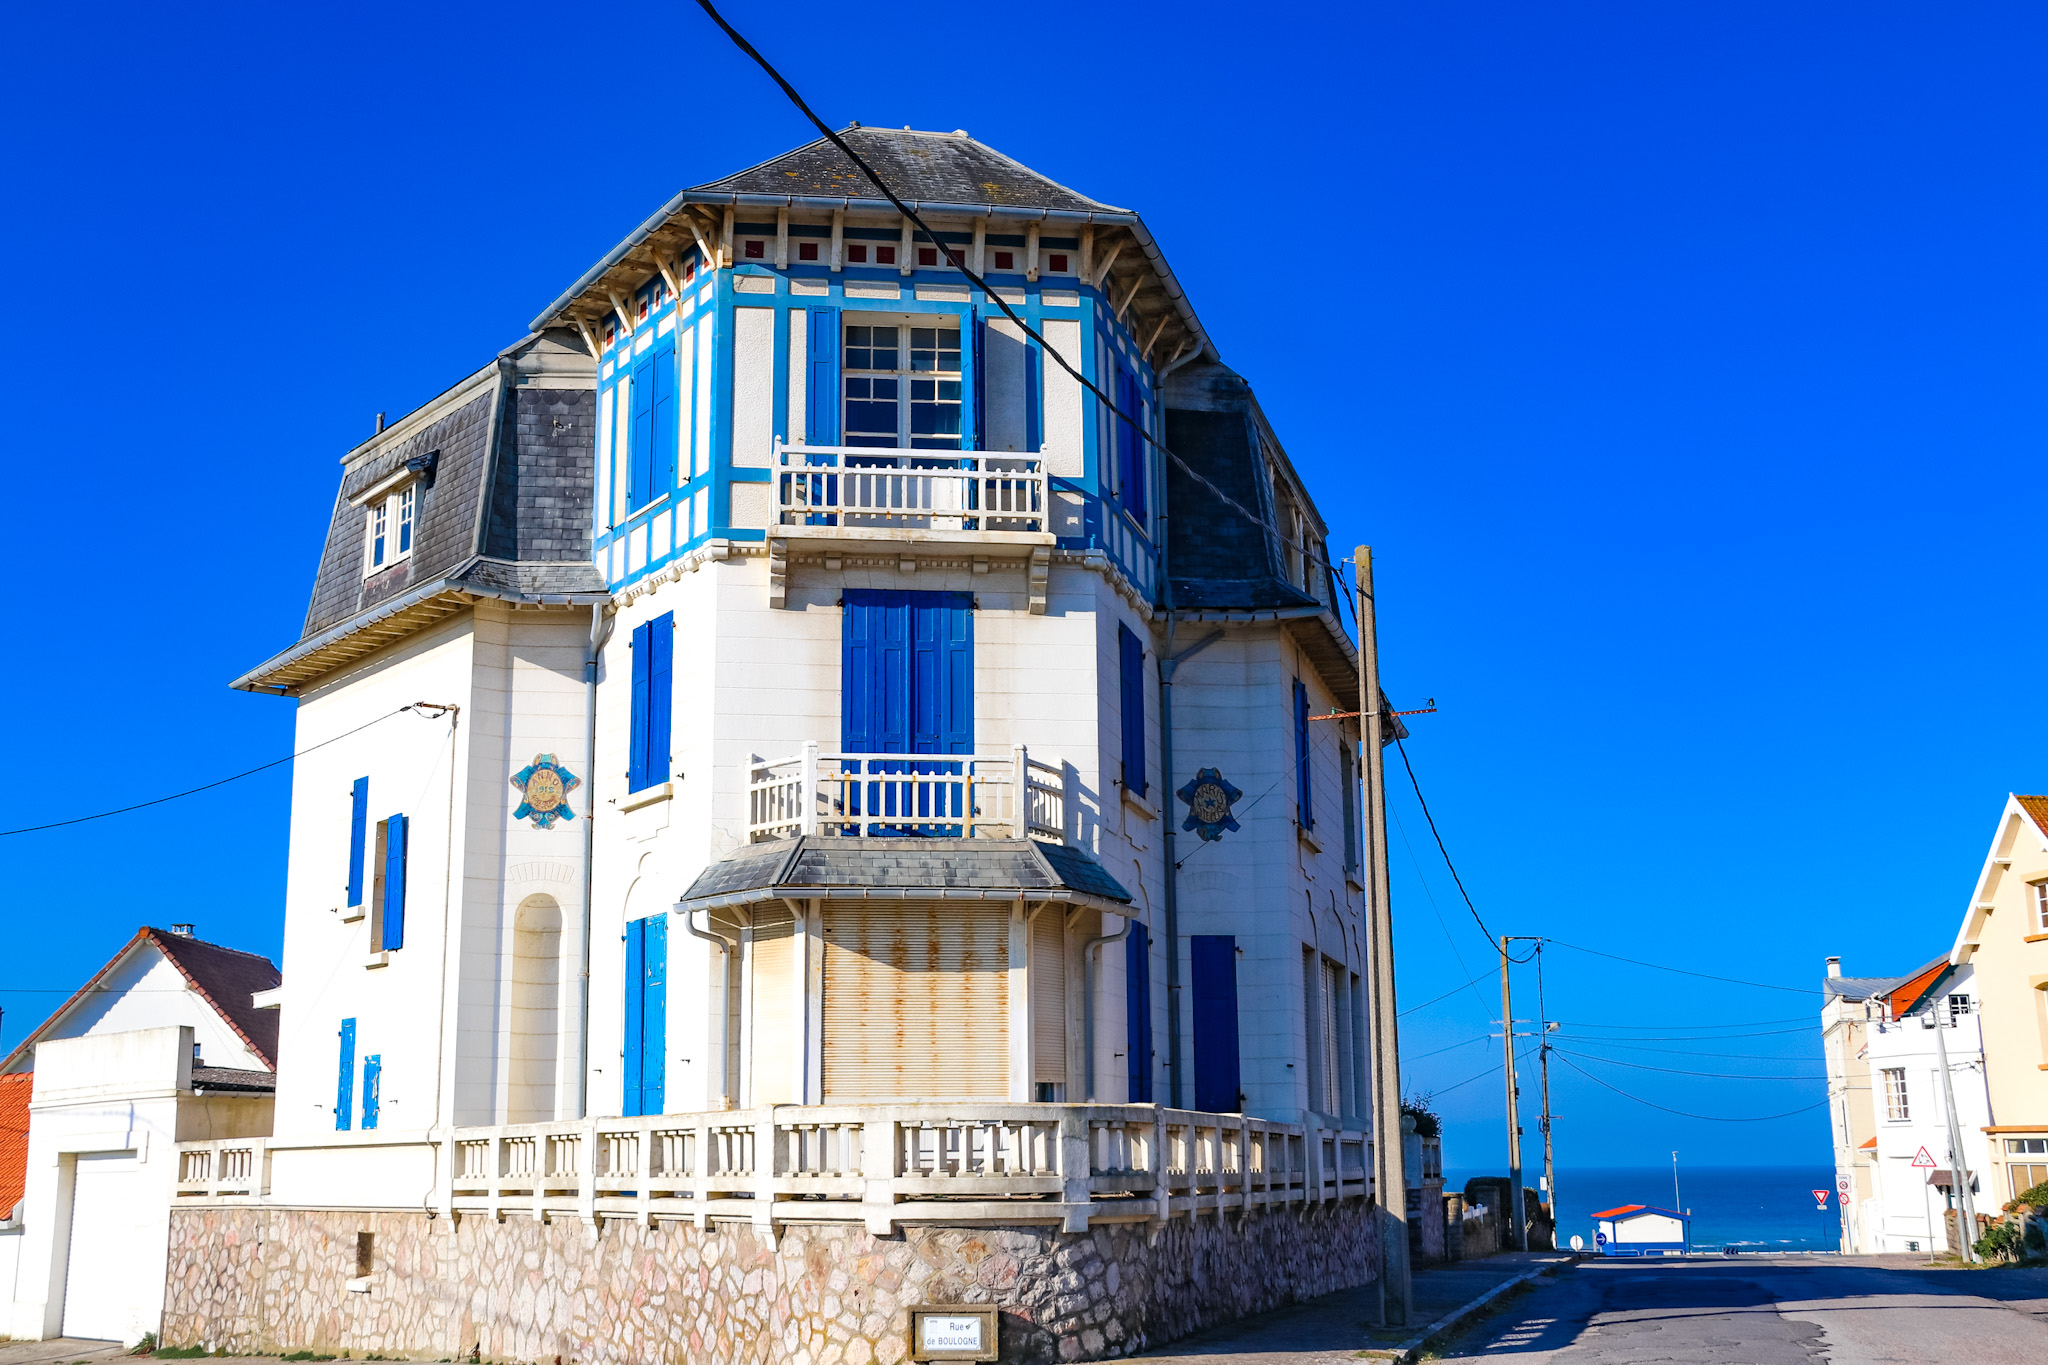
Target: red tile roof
x: 2036, y: 808
x: 1625, y: 1208
x: 14, y: 1095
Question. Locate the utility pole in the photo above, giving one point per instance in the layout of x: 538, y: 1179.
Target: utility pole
x: 1507, y: 1033
x: 1390, y: 1179
x: 1544, y: 1026
x: 1966, y: 1203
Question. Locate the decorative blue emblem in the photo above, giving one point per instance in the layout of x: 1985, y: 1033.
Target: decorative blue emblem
x: 1209, y: 796
x: 546, y: 785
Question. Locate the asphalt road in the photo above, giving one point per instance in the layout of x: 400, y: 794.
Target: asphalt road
x: 1768, y: 1311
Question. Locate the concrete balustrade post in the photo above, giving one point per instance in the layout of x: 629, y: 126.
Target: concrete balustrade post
x: 767, y: 1166
x: 807, y: 792
x: 1076, y: 1190
x: 878, y: 1143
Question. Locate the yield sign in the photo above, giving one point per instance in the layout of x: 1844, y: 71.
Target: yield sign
x: 1820, y: 1199
x: 1923, y: 1161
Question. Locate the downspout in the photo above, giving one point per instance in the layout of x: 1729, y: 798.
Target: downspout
x: 1093, y: 947
x: 1167, y: 665
x: 600, y: 631
x: 727, y: 948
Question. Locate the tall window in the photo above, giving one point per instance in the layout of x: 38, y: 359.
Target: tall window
x: 387, y: 889
x: 901, y: 386
x: 389, y: 536
x: 2040, y: 907
x: 1131, y: 687
x: 1895, y: 1106
x: 1304, y: 792
x: 653, y: 685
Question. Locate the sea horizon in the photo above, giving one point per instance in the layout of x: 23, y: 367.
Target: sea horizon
x: 1756, y: 1208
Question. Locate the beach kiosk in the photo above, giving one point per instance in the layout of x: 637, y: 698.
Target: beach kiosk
x: 1640, y: 1230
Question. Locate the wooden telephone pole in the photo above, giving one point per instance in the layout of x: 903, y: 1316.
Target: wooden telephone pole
x: 1390, y: 1178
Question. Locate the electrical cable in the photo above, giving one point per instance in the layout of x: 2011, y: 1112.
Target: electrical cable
x: 1446, y: 995
x: 1704, y: 976
x: 1710, y: 1118
x: 174, y: 796
x: 1696, y: 1038
x: 1491, y: 943
x: 1686, y: 1052
x: 1677, y: 1071
x: 954, y: 258
x: 1738, y: 1023
x: 1418, y: 1056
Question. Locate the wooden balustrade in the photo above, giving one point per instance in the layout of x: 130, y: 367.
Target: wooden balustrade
x: 879, y: 1164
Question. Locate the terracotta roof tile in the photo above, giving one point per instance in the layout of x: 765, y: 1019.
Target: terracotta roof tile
x: 2036, y: 808
x: 14, y: 1097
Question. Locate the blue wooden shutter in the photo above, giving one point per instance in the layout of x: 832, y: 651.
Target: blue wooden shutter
x: 345, y: 1078
x: 636, y: 744
x: 875, y: 683
x: 654, y: 1016
x: 1138, y: 1012
x: 661, y: 641
x: 821, y: 390
x: 1130, y: 669
x: 1304, y: 807
x: 979, y: 324
x: 640, y: 438
x: 942, y: 675
x: 358, y: 834
x: 662, y: 465
x: 394, y: 882
x: 1212, y: 963
x: 636, y: 969
x: 373, y: 1084
x: 1130, y: 458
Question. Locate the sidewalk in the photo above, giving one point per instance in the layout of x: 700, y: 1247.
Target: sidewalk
x: 1337, y: 1327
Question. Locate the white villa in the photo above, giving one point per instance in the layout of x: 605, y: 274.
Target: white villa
x: 818, y: 807
x: 1888, y: 1108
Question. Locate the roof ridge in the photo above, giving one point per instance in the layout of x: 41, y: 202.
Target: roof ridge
x: 207, y: 943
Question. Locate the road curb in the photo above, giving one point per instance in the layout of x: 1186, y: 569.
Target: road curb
x: 1408, y: 1350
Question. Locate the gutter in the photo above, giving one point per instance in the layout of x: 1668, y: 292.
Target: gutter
x: 447, y: 584
x: 600, y: 631
x: 849, y: 203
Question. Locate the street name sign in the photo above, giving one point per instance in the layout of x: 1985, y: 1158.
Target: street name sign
x: 953, y: 1333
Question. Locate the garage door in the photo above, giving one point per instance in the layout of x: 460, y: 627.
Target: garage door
x: 917, y: 1003
x: 109, y: 1290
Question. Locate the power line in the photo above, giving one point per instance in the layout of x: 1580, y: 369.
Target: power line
x: 1418, y: 1056
x: 1737, y: 1023
x: 1676, y: 1071
x: 194, y: 791
x: 1681, y: 971
x: 1419, y: 800
x: 959, y: 263
x: 1447, y: 994
x: 1710, y: 1118
x: 1683, y: 1052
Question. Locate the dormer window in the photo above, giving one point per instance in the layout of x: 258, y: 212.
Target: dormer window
x: 390, y: 534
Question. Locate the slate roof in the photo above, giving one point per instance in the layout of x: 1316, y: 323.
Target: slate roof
x: 921, y: 167
x: 1867, y: 987
x: 505, y: 512
x: 904, y: 869
x: 231, y: 1078
x: 224, y: 977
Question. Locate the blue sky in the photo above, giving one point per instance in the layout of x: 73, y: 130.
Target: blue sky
x: 1682, y: 362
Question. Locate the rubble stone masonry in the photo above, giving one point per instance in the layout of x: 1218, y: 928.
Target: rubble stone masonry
x: 254, y: 1280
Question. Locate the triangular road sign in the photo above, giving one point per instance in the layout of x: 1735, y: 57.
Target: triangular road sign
x: 1820, y: 1199
x: 1923, y: 1161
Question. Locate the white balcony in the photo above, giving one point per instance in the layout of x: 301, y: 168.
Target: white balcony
x: 860, y: 491
x: 948, y: 796
x: 881, y: 1165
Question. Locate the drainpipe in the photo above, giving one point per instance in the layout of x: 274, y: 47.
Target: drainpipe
x: 727, y: 949
x: 1093, y: 947
x: 1167, y: 664
x: 600, y: 631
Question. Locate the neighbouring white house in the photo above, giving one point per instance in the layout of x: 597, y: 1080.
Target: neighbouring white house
x: 786, y: 765
x: 163, y: 1045
x: 1642, y: 1230
x: 1889, y: 1108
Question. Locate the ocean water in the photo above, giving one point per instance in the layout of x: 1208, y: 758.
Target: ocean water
x: 1756, y: 1208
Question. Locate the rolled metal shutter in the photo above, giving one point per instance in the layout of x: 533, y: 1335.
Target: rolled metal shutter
x: 917, y: 1002
x: 778, y: 1014
x: 1049, y: 996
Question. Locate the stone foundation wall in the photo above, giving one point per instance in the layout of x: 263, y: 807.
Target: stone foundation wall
x: 253, y: 1280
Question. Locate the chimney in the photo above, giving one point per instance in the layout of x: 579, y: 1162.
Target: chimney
x: 1834, y: 966
x: 380, y: 423
x: 182, y: 930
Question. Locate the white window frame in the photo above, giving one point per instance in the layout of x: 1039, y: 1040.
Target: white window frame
x: 2040, y: 906
x: 904, y: 376
x: 394, y: 518
x: 1898, y: 1106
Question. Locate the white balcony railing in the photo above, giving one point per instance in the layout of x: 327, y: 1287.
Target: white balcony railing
x: 958, y: 796
x: 881, y: 1165
x: 848, y: 488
